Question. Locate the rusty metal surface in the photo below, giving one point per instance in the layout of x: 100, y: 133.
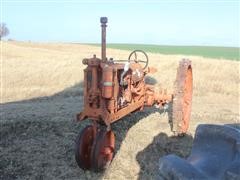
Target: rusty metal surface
x: 84, y: 144
x: 114, y: 89
x: 182, y: 101
x: 95, y: 147
x: 103, y: 150
x: 103, y: 21
x: 106, y: 100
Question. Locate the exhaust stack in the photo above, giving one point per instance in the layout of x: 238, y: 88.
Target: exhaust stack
x: 103, y: 21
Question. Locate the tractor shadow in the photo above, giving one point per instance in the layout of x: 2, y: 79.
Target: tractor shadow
x: 219, y: 136
x: 150, y: 80
x: 162, y: 144
x: 122, y: 126
x: 38, y: 135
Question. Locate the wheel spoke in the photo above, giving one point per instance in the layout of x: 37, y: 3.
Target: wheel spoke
x: 135, y: 56
x: 136, y: 60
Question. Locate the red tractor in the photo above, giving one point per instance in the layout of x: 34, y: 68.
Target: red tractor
x: 116, y: 88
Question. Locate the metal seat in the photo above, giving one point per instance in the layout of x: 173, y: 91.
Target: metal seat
x: 215, y: 155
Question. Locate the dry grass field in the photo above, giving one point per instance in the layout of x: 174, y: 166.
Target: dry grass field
x: 41, y: 91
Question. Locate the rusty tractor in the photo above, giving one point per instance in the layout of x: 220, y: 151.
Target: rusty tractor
x: 116, y: 88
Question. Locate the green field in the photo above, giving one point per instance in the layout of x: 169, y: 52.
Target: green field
x: 231, y: 53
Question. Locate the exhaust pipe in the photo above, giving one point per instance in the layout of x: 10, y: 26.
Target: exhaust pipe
x: 103, y: 21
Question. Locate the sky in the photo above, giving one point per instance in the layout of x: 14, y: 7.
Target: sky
x: 183, y: 22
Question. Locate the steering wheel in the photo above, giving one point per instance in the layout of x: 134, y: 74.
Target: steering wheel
x: 136, y: 60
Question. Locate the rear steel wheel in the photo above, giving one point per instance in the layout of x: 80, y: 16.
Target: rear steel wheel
x: 103, y: 150
x: 84, y: 144
x: 182, y: 100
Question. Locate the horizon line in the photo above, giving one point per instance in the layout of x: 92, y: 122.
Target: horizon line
x: 97, y: 43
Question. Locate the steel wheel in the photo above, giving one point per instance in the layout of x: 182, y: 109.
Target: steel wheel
x: 182, y: 100
x: 103, y: 151
x: 84, y: 144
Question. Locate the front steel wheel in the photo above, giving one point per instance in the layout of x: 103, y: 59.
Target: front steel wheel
x: 103, y: 150
x: 83, y: 149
